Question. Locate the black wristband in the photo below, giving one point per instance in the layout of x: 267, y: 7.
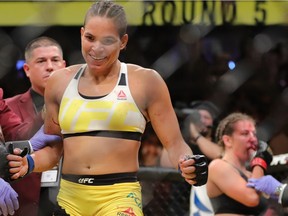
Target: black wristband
x: 197, y: 137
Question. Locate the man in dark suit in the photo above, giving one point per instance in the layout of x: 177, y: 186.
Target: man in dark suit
x: 43, y: 56
x: 12, y: 126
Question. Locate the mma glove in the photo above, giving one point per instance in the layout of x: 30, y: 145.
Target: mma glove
x: 201, y: 167
x: 9, y: 149
x: 4, y: 166
x: 38, y: 141
x: 263, y: 156
x: 5, y: 149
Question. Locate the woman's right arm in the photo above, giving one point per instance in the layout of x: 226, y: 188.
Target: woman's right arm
x: 223, y: 178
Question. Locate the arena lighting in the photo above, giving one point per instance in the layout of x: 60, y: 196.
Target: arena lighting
x: 19, y: 64
x: 231, y: 65
x: 19, y: 68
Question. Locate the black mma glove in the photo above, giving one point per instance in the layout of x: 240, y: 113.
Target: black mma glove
x: 263, y: 156
x: 23, y: 145
x: 201, y: 171
x: 4, y: 163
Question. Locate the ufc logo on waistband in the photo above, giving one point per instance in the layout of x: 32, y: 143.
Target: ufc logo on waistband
x: 86, y: 180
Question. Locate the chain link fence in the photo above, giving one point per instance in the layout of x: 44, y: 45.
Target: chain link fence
x: 165, y: 193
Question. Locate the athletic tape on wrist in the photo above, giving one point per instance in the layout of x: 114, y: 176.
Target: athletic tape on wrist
x: 259, y: 162
x: 31, y: 164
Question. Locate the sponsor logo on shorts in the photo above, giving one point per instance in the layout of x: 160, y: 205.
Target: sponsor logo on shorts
x: 127, y: 212
x: 86, y: 180
x: 136, y: 199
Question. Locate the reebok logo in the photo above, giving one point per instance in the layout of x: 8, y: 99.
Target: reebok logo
x: 86, y: 180
x: 128, y: 212
x: 121, y: 95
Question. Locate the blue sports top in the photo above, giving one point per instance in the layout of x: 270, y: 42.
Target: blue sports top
x: 113, y: 115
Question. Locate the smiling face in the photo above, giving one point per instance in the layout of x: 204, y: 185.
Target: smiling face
x: 101, y: 42
x: 41, y: 63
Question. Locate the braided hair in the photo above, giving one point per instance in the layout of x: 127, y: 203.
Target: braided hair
x: 107, y: 8
x: 226, y: 125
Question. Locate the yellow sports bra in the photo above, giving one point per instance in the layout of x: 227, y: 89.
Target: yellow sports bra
x: 113, y: 115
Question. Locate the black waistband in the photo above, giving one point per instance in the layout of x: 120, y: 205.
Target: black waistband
x: 114, y: 134
x: 107, y: 179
